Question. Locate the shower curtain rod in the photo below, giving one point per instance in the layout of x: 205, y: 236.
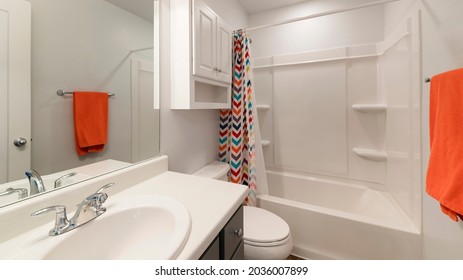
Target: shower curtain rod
x: 318, y: 15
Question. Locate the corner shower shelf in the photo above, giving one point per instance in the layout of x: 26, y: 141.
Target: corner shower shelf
x: 263, y: 107
x: 265, y: 143
x: 369, y: 108
x: 370, y: 154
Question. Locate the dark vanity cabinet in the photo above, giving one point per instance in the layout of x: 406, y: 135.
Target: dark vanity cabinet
x: 228, y: 245
x: 213, y: 251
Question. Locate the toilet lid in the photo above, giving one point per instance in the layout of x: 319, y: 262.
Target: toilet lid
x: 263, y: 226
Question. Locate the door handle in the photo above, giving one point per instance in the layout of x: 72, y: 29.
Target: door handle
x: 20, y: 141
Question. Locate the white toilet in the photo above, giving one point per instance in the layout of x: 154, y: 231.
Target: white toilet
x: 266, y: 236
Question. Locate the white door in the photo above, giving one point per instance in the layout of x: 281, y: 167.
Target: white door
x: 15, y: 88
x: 145, y: 111
x: 224, y: 52
x: 204, y: 41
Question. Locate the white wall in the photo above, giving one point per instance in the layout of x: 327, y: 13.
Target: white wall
x: 231, y: 11
x: 351, y: 28
x: 441, y: 26
x: 81, y: 45
x: 190, y: 138
x: 442, y: 44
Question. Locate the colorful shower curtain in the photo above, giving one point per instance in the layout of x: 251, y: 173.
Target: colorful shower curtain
x: 237, y: 142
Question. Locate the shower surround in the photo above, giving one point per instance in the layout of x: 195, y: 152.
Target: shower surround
x: 340, y: 113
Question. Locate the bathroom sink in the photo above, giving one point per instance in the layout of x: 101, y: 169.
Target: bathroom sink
x: 133, y: 227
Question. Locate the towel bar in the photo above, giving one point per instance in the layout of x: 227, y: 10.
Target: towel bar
x: 63, y: 92
x: 427, y: 80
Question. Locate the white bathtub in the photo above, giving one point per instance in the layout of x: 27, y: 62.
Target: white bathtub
x: 335, y: 220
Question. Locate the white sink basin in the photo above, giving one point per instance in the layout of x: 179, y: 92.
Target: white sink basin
x: 133, y: 227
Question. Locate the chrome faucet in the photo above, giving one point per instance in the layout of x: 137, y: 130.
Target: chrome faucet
x: 65, y: 176
x: 89, y: 209
x: 35, y: 182
x: 22, y: 193
x: 61, y: 222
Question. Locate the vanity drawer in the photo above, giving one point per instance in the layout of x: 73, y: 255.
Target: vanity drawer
x: 232, y: 235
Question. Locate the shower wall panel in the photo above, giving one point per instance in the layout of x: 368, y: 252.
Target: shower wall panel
x: 310, y: 122
x: 310, y: 127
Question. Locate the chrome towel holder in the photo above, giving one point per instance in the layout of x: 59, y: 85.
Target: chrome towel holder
x: 63, y: 92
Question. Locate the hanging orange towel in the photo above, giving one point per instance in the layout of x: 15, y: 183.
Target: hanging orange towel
x: 90, y: 121
x: 444, y: 180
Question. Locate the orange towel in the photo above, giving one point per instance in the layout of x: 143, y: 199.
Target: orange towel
x: 444, y: 180
x: 90, y: 121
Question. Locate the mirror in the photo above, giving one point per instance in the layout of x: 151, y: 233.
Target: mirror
x: 90, y: 45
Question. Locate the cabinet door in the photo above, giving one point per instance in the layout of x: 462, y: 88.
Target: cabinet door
x: 224, y: 52
x: 232, y: 235
x: 204, y: 41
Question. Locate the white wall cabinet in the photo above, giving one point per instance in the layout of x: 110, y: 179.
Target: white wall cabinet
x: 212, y: 45
x: 201, y: 57
x: 224, y: 51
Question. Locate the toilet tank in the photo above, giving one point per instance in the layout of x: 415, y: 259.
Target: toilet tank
x: 215, y: 170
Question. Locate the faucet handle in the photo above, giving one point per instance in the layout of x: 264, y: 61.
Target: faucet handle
x: 96, y: 200
x: 99, y: 198
x: 61, y: 221
x: 22, y: 193
x: 105, y: 187
x: 57, y: 208
x: 65, y: 176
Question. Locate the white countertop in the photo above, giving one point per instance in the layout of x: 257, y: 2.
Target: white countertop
x: 211, y: 203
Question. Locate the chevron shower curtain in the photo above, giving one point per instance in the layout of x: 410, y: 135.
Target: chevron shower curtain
x: 236, y: 141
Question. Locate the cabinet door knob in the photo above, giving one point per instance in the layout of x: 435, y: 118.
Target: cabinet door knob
x: 238, y: 232
x: 216, y: 69
x: 220, y: 70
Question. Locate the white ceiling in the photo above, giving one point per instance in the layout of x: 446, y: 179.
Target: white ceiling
x: 141, y: 8
x: 256, y: 6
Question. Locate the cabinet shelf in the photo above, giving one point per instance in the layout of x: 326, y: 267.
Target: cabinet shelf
x: 370, y: 154
x: 369, y: 108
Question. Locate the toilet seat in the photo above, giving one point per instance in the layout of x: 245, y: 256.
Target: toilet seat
x: 262, y: 228
x: 271, y: 244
